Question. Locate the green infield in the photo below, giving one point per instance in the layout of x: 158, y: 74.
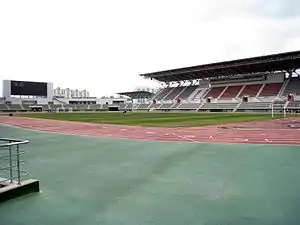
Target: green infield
x: 155, y: 119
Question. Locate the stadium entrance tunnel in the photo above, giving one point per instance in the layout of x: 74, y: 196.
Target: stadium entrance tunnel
x: 113, y: 108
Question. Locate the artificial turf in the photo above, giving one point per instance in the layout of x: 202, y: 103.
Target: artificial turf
x: 154, y: 119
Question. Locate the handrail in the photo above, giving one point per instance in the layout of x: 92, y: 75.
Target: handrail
x: 13, y: 140
x: 13, y: 143
x: 11, y: 154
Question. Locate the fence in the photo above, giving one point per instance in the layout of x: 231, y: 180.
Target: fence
x: 10, y: 162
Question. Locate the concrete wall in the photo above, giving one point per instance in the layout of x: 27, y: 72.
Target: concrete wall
x: 271, y: 78
x: 41, y: 101
x: 6, y: 88
x: 50, y: 90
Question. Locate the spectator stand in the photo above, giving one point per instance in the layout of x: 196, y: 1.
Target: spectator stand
x: 137, y: 98
x: 260, y: 78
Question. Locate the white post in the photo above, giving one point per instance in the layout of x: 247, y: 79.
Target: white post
x: 273, y: 110
x: 132, y: 106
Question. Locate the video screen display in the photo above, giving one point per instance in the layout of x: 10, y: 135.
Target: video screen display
x: 28, y: 88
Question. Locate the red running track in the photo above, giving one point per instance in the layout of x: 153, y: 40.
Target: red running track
x: 279, y: 131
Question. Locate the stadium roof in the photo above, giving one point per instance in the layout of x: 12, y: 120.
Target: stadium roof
x: 287, y: 61
x: 137, y: 94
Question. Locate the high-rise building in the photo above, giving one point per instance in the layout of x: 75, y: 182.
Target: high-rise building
x: 70, y: 93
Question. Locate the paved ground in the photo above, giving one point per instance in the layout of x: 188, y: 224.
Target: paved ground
x: 280, y: 131
x: 91, y: 180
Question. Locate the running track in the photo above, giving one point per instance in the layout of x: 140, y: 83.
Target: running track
x: 279, y: 131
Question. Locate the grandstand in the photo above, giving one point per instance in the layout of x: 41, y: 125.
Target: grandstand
x: 251, y: 84
x: 24, y: 96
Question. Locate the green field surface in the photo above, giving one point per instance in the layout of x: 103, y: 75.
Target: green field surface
x: 153, y: 119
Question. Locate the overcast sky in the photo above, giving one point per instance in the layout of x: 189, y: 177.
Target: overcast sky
x: 103, y: 46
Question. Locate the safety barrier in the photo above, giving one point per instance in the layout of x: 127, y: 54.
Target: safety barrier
x: 10, y: 162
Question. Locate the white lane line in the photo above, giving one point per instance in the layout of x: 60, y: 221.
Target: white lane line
x: 189, y: 136
x: 186, y: 138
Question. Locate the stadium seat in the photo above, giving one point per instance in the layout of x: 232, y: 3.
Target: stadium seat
x: 231, y: 91
x: 3, y: 107
x: 255, y: 105
x: 250, y: 90
x: 16, y: 107
x: 162, y: 94
x: 166, y: 106
x: 189, y: 106
x: 187, y: 92
x: 271, y: 89
x: 174, y: 93
x: 214, y: 92
x: 222, y: 106
x: 293, y: 87
x: 143, y: 106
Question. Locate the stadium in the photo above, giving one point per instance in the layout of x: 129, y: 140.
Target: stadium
x: 217, y: 144
x: 257, y: 84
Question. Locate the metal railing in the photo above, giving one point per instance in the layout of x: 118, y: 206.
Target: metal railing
x: 10, y: 162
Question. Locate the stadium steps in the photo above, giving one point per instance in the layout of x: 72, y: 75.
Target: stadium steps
x: 194, y: 93
x: 293, y: 105
x: 166, y: 106
x: 4, y: 107
x: 236, y: 108
x: 260, y: 90
x: 255, y: 105
x: 129, y: 106
x: 189, y: 106
x: 224, y: 90
x: 285, y: 83
x: 201, y: 105
x: 278, y: 105
x: 166, y: 96
x: 55, y: 106
x: 223, y: 106
x: 200, y: 94
x: 81, y: 106
x: 182, y: 91
x: 16, y: 107
x: 162, y: 94
x: 214, y: 92
x: 271, y: 89
x: 241, y: 91
x: 293, y: 87
x: 27, y: 106
x: 231, y: 91
x: 175, y: 105
x: 188, y: 92
x: 176, y: 91
x: 143, y: 106
x: 157, y: 94
x: 250, y: 90
x: 95, y: 106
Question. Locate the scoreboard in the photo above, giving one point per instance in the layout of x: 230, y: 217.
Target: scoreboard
x: 18, y: 88
x: 28, y: 88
